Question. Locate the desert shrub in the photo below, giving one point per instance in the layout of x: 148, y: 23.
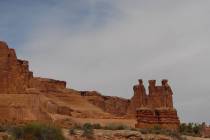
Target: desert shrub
x: 72, y: 131
x: 4, y: 127
x: 17, y: 132
x: 87, y: 130
x: 37, y: 131
x: 157, y: 130
x: 114, y: 126
x: 191, y: 129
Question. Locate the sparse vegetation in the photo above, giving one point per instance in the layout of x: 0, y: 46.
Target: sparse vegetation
x: 72, y: 131
x: 36, y: 131
x: 88, y: 130
x: 4, y: 127
x: 111, y: 126
x: 191, y: 129
x: 157, y: 130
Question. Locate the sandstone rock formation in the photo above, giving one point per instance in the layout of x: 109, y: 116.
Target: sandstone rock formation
x: 15, y: 76
x: 155, y: 108
x: 14, y: 73
x: 113, y: 105
x: 21, y: 93
x: 47, y: 85
x: 26, y: 98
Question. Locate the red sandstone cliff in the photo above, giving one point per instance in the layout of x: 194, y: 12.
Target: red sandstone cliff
x: 113, y: 105
x: 25, y: 97
x: 15, y: 76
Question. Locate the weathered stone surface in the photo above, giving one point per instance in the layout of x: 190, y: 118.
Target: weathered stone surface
x: 139, y: 99
x: 165, y: 118
x: 15, y: 76
x: 47, y: 85
x: 21, y: 94
x: 25, y: 97
x: 155, y: 108
x: 14, y: 73
x: 113, y: 105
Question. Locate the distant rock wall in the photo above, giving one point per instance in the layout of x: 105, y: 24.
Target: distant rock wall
x: 113, y: 105
x: 47, y: 85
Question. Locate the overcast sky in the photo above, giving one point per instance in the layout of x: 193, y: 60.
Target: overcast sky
x: 107, y: 45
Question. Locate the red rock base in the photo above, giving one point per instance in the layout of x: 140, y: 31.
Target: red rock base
x: 163, y: 117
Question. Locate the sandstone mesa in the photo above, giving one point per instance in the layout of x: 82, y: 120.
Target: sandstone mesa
x: 28, y: 98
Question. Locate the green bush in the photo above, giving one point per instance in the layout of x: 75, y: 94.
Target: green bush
x: 72, y: 131
x: 191, y: 129
x: 4, y: 128
x: 87, y: 130
x: 37, y: 131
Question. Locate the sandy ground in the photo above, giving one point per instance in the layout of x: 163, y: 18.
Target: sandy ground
x: 196, y: 138
x: 103, y: 122
x: 109, y: 134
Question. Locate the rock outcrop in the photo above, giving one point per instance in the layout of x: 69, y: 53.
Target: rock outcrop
x: 15, y: 76
x: 14, y: 73
x: 113, y: 105
x: 25, y: 98
x: 47, y: 85
x: 155, y: 108
x: 21, y: 93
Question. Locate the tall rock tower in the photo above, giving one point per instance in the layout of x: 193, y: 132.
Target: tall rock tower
x: 154, y: 108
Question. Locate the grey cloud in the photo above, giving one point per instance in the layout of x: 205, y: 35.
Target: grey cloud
x: 147, y: 39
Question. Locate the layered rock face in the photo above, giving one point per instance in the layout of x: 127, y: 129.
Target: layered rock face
x: 15, y: 76
x: 20, y: 92
x: 155, y: 108
x: 47, y: 85
x: 139, y: 99
x: 164, y: 118
x: 113, y: 105
x: 14, y: 73
x: 25, y: 97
